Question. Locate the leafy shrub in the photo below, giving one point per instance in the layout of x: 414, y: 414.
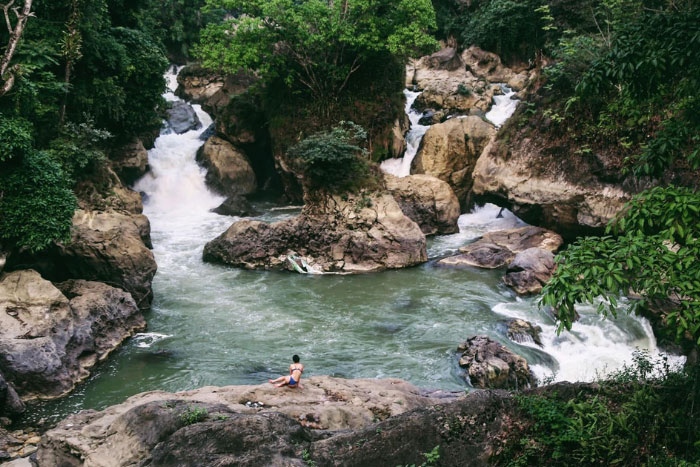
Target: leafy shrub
x: 463, y: 90
x: 78, y: 148
x: 333, y: 160
x: 36, y: 202
x: 15, y: 137
x: 193, y: 415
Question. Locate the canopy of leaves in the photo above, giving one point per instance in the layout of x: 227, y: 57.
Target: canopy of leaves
x: 314, y: 45
x: 333, y: 160
x: 651, y: 251
x: 15, y: 137
x: 36, y: 202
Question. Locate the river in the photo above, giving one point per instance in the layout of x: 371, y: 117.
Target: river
x: 216, y: 325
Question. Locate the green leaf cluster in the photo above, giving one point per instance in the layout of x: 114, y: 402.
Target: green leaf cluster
x: 651, y: 253
x: 314, y: 46
x: 334, y: 160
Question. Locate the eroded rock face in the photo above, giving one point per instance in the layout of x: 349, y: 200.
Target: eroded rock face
x: 491, y: 365
x: 543, y: 190
x: 182, y: 118
x: 530, y: 270
x: 130, y: 161
x: 10, y: 403
x: 362, y: 233
x: 213, y: 91
x: 228, y: 169
x: 449, y: 151
x: 496, y: 249
x: 49, y: 340
x: 426, y: 200
x: 155, y: 426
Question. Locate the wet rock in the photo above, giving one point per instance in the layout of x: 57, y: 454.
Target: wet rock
x: 104, y: 191
x: 155, y: 427
x: 10, y: 403
x: 182, y: 118
x: 235, y: 206
x: 496, y: 249
x: 130, y: 161
x: 449, y: 151
x: 213, y: 91
x: 365, y: 232
x: 522, y: 331
x: 491, y: 365
x: 49, y: 340
x: 530, y: 271
x: 426, y: 200
x: 228, y: 169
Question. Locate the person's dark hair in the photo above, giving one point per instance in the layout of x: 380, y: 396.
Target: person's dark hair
x: 295, y: 359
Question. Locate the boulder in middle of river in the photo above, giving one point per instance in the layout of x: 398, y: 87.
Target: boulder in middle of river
x: 491, y: 365
x: 355, y: 233
x: 530, y: 271
x: 182, y: 118
x: 228, y: 169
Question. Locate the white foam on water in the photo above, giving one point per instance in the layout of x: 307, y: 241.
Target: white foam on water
x: 594, y: 348
x: 145, y: 340
x: 401, y: 166
x: 503, y: 107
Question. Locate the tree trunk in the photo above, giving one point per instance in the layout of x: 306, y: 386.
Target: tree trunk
x: 7, y: 73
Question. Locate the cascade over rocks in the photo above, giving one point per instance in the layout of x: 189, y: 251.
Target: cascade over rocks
x: 522, y: 331
x: 50, y: 338
x: 154, y: 426
x: 182, y: 118
x: 427, y: 201
x: 496, y: 249
x: 361, y: 233
x: 491, y: 365
x: 228, y: 169
x: 530, y: 271
x: 449, y: 151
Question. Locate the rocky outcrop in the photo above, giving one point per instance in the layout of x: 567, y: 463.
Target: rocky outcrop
x: 228, y: 169
x: 491, y: 365
x: 50, y: 338
x: 461, y: 83
x: 216, y: 426
x: 496, y: 249
x: 364, y: 232
x: 530, y: 271
x: 545, y: 186
x: 130, y: 161
x: 182, y: 118
x: 449, y: 151
x: 10, y: 403
x: 212, y: 90
x: 427, y: 201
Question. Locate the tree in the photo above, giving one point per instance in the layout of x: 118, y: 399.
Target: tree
x: 7, y: 72
x: 651, y: 251
x: 315, y: 45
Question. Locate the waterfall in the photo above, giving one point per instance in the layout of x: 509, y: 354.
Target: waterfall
x: 503, y: 106
x: 401, y: 166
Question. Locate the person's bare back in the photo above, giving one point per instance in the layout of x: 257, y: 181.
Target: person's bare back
x: 295, y: 371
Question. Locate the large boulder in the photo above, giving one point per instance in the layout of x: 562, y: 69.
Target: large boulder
x: 352, y: 233
x: 235, y: 206
x: 182, y: 118
x: 426, y: 200
x: 491, y: 365
x: 449, y: 151
x: 546, y: 186
x: 10, y: 403
x: 496, y: 249
x: 228, y: 169
x: 212, y: 90
x: 530, y: 271
x: 234, y: 425
x: 49, y: 339
x: 130, y: 161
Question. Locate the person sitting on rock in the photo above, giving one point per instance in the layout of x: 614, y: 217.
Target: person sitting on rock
x: 295, y: 371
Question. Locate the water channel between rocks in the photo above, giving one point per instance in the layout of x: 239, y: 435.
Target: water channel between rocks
x: 216, y: 325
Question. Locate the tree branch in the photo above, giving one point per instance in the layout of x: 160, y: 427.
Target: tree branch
x: 15, y: 36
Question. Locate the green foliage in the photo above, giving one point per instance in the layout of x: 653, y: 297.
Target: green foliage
x: 651, y: 250
x: 193, y: 415
x: 78, y: 149
x: 334, y: 160
x: 508, y: 27
x: 463, y: 90
x: 314, y: 46
x: 15, y: 137
x: 643, y: 415
x: 36, y: 202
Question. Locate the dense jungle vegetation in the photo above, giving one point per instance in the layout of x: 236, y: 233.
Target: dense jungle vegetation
x: 617, y: 77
